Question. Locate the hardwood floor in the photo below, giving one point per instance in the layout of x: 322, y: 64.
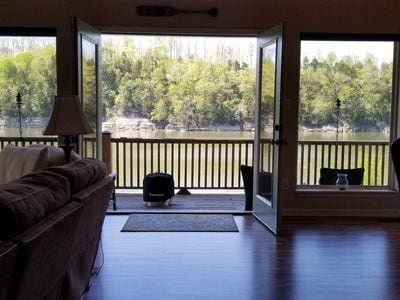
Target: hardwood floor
x: 313, y: 259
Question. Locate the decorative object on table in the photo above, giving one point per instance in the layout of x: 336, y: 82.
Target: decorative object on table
x: 158, y: 188
x: 180, y: 223
x: 19, y: 104
x: 341, y: 182
x: 329, y: 176
x: 168, y: 11
x: 67, y: 120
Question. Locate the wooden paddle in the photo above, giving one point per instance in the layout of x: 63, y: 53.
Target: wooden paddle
x: 168, y: 11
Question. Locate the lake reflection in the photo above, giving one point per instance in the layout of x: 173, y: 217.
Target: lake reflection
x: 161, y: 134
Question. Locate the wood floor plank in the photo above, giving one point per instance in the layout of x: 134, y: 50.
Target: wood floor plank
x: 314, y: 259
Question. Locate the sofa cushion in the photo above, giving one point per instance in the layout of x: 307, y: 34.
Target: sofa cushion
x: 18, y: 161
x: 56, y: 155
x: 30, y: 199
x: 45, y: 255
x: 81, y: 173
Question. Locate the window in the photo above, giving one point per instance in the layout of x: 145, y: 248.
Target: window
x: 345, y: 109
x: 27, y: 66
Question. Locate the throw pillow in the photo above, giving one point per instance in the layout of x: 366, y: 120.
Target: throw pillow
x: 16, y: 162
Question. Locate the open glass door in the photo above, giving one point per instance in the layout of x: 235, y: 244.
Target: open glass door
x: 267, y: 131
x: 88, y: 66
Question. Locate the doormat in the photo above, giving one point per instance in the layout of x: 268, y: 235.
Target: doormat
x: 180, y: 223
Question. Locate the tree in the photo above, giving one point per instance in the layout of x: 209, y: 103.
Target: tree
x: 33, y: 74
x: 363, y: 87
x: 168, y: 84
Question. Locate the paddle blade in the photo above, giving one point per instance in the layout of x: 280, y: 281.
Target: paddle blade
x: 156, y: 11
x: 168, y: 11
x: 213, y: 12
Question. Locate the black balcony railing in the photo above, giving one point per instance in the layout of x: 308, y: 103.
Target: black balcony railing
x: 194, y: 164
x: 372, y: 155
x: 215, y: 164
x: 51, y: 141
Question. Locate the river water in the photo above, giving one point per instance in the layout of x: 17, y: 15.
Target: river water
x: 161, y: 134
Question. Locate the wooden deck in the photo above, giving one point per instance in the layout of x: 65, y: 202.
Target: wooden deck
x: 198, y: 202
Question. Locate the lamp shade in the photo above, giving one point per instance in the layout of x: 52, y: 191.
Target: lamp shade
x: 67, y: 117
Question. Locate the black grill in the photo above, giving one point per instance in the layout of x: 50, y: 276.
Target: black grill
x: 158, y: 187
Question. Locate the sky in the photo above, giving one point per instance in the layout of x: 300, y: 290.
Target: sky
x: 244, y: 47
x: 383, y: 51
x: 203, y: 46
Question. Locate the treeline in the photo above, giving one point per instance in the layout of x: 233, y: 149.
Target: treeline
x: 15, y: 45
x: 192, y: 93
x: 185, y: 92
x: 363, y: 86
x: 32, y: 73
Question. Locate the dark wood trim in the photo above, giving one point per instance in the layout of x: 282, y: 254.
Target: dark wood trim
x: 188, y: 31
x: 321, y: 36
x: 28, y: 31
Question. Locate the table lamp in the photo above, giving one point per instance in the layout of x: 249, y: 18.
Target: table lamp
x: 67, y: 120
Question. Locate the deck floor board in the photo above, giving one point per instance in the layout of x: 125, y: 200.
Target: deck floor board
x: 133, y: 202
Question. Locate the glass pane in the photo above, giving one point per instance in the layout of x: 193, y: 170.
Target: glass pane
x: 89, y: 93
x: 267, y: 107
x: 27, y: 66
x: 345, y: 112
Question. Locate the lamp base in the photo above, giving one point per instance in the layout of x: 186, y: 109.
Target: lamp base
x: 67, y: 147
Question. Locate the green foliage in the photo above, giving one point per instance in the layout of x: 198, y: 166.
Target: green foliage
x: 268, y: 88
x: 189, y: 93
x: 363, y: 87
x: 195, y: 93
x: 33, y: 73
x: 89, y: 89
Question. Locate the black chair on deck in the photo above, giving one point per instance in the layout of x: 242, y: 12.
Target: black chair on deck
x: 395, y: 151
x: 329, y: 176
x: 265, y: 184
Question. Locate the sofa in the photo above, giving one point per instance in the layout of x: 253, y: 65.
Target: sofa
x: 50, y: 227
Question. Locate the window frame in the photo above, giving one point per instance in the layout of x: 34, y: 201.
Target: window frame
x: 28, y: 31
x: 395, y: 99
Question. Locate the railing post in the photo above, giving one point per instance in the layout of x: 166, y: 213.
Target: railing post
x: 106, y: 136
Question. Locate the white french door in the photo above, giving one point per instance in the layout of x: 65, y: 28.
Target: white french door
x: 89, y: 90
x: 268, y: 128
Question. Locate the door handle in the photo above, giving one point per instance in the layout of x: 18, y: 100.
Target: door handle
x: 279, y: 142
